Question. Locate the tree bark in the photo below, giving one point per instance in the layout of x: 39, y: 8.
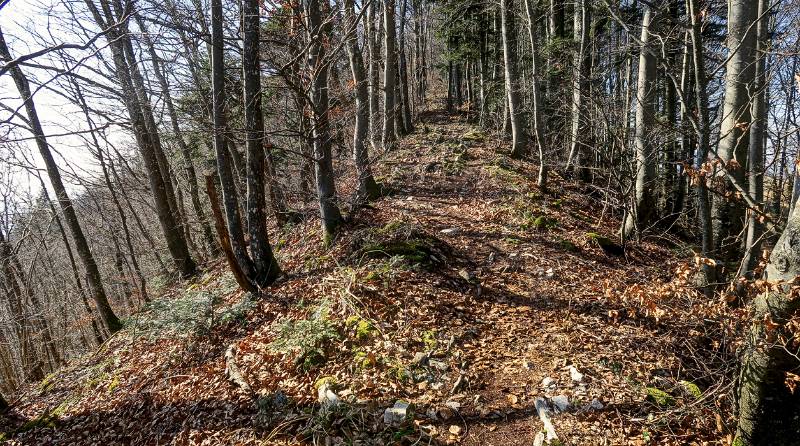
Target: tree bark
x: 728, y: 214
x: 644, y: 208
x: 755, y: 165
x: 318, y: 33
x: 519, y: 140
x: 171, y: 228
x: 367, y: 188
x: 389, y: 57
x: 537, y: 106
x: 576, y: 157
x: 265, y: 267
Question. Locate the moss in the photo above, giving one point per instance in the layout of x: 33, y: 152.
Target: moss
x: 557, y: 203
x: 659, y: 396
x: 692, y: 389
x: 429, y: 339
x: 48, y: 382
x: 364, y: 360
x: 330, y: 380
x: 415, y: 251
x: 474, y: 135
x: 113, y: 384
x: 568, y: 246
x: 364, y: 329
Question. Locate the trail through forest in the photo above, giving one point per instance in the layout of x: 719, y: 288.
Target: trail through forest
x: 466, y: 293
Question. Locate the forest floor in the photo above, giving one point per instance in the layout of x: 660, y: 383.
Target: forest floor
x: 467, y: 293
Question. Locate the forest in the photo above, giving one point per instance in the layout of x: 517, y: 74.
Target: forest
x: 368, y: 222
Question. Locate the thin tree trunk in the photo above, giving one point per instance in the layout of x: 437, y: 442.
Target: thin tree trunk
x: 755, y: 165
x: 191, y: 175
x: 265, y: 269
x: 230, y: 196
x: 367, y: 188
x: 318, y: 30
x: 519, y: 140
x: 143, y: 132
x: 538, y: 130
x: 646, y: 98
x: 580, y: 74
x: 93, y: 273
x: 727, y: 214
x: 389, y: 74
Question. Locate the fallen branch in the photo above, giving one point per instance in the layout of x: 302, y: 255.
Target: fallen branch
x: 541, y: 409
x: 232, y: 370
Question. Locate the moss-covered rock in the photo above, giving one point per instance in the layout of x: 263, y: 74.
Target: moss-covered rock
x: 659, y: 396
x: 568, y: 246
x: 606, y: 244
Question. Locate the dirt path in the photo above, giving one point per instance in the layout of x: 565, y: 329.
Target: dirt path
x: 549, y: 298
x: 463, y: 293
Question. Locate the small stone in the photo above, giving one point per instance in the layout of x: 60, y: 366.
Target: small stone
x: 528, y: 365
x: 455, y: 405
x: 450, y: 231
x: 326, y: 396
x: 596, y: 405
x: 575, y: 374
x: 561, y: 402
x: 439, y: 365
x: 548, y: 382
x: 397, y: 414
x: 420, y: 358
x: 455, y: 429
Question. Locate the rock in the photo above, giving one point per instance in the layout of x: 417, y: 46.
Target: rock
x: 575, y: 374
x: 460, y: 382
x: 325, y: 395
x: 455, y: 429
x: 527, y: 365
x: 398, y: 414
x: 420, y: 359
x: 455, y: 405
x: 548, y: 382
x: 450, y: 231
x: 596, y: 405
x: 561, y: 402
x: 438, y: 365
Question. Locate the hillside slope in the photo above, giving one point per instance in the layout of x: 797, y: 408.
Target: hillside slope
x: 466, y: 293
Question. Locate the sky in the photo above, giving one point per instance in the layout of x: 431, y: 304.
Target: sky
x: 56, y: 114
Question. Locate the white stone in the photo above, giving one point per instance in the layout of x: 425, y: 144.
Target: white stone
x: 548, y: 382
x: 397, y: 414
x: 575, y: 374
x: 596, y: 404
x: 561, y: 402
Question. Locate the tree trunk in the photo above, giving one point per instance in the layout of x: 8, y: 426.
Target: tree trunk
x: 388, y: 136
x: 169, y: 225
x: 318, y: 31
x: 755, y: 165
x: 191, y: 175
x: 265, y: 267
x: 728, y: 214
x: 703, y: 141
x: 519, y: 140
x: 767, y: 407
x: 644, y: 209
x: 580, y: 74
x: 92, y: 272
x: 367, y: 188
x: 538, y: 130
x: 230, y: 196
x: 373, y: 49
